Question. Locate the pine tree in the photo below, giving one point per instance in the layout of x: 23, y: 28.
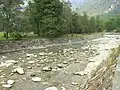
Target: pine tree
x: 92, y: 24
x: 49, y: 18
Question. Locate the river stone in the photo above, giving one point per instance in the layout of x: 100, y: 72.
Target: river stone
x: 79, y: 73
x: 29, y: 67
x: 31, y: 62
x: 19, y: 70
x: 65, y: 62
x: 36, y: 79
x: 30, y: 55
x: 59, y: 65
x: 10, y: 82
x: 7, y: 86
x: 63, y: 88
x: 35, y: 56
x: 51, y: 88
x: 41, y: 53
x: 1, y: 71
x: 47, y: 69
x: 73, y: 83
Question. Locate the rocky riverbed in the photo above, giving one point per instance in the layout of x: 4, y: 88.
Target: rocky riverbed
x: 66, y: 66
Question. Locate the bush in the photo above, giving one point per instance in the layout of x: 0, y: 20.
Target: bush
x: 117, y: 30
x: 18, y: 35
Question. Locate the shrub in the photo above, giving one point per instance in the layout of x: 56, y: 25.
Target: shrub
x: 18, y: 35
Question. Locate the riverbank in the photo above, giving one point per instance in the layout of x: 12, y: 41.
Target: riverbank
x: 17, y: 45
x: 69, y: 66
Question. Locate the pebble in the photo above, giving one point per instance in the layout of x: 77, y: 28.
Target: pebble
x: 42, y: 54
x: 19, y: 70
x: 73, y: 83
x: 1, y: 71
x: 3, y: 82
x: 65, y: 62
x: 10, y: 82
x: 29, y: 55
x: 36, y: 79
x: 47, y: 69
x: 29, y: 67
x: 45, y: 83
x: 31, y: 62
x: 63, y: 88
x: 7, y: 86
x: 33, y: 74
x: 35, y: 56
x: 79, y: 73
x: 59, y: 65
x: 51, y: 88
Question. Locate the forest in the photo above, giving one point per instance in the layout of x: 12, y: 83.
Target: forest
x: 50, y: 19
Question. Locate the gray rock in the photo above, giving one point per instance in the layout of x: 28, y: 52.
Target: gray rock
x: 63, y: 88
x: 59, y: 65
x: 7, y: 86
x: 29, y: 67
x: 65, y: 62
x: 73, y: 83
x: 19, y: 70
x: 10, y: 82
x: 81, y: 73
x: 51, y: 88
x: 46, y: 69
x: 31, y: 62
x: 36, y: 79
x: 33, y: 74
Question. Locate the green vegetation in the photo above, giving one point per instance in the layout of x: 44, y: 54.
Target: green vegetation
x: 49, y: 19
x: 113, y: 24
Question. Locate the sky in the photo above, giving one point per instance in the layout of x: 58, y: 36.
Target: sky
x: 77, y: 1
x: 74, y: 2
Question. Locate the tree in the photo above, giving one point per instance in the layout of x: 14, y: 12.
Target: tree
x: 110, y: 25
x: 67, y: 16
x: 92, y: 25
x: 76, y: 23
x: 85, y: 22
x: 48, y: 18
x: 8, y: 8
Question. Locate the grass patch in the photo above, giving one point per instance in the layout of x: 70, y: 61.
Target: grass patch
x: 29, y: 36
x: 1, y: 35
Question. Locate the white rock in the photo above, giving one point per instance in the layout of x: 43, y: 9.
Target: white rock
x: 4, y: 57
x: 35, y: 56
x: 65, y: 62
x: 47, y: 69
x: 41, y: 53
x: 31, y: 62
x: 10, y: 82
x: 30, y: 55
x: 28, y: 58
x: 36, y: 79
x: 3, y: 82
x: 63, y: 88
x: 73, y: 83
x: 1, y: 71
x: 7, y: 86
x: 59, y: 65
x: 51, y: 88
x: 19, y: 70
x: 79, y: 73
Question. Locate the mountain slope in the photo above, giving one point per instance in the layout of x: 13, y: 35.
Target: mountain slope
x: 101, y: 7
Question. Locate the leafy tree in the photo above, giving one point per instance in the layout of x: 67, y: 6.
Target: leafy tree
x: 48, y: 18
x: 8, y: 9
x: 67, y: 16
x: 92, y: 25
